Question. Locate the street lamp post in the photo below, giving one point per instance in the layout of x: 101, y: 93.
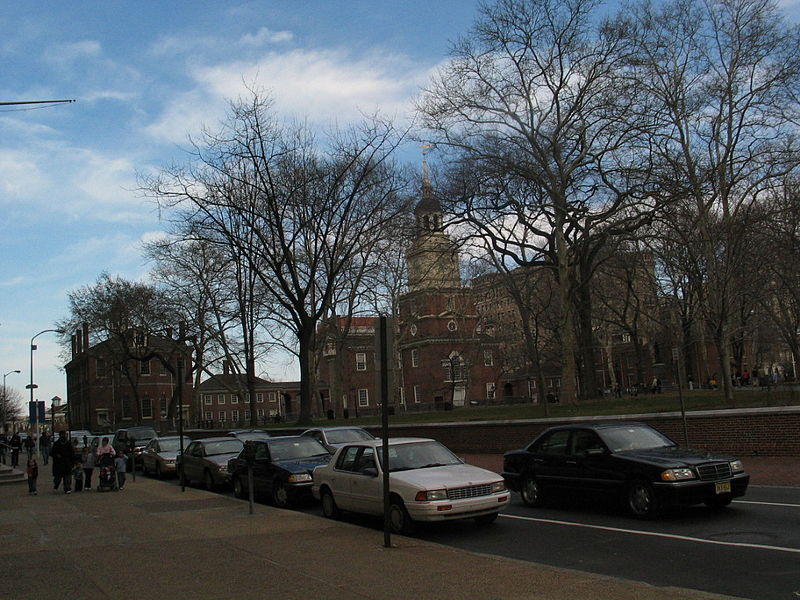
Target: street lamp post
x: 5, y: 399
x: 32, y: 386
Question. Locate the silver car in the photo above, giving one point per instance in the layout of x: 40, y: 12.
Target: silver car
x: 160, y: 456
x: 206, y: 460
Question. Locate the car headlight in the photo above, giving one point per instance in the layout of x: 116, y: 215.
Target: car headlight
x: 428, y: 495
x: 299, y: 478
x: 677, y: 474
x: 737, y: 466
x: 223, y: 468
x: 169, y: 462
x: 498, y: 486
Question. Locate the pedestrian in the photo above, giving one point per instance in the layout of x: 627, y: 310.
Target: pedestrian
x: 3, y: 446
x: 30, y: 445
x: 121, y: 465
x: 63, y: 462
x: 105, y: 448
x: 44, y: 447
x: 77, y: 473
x: 89, y: 460
x: 32, y: 472
x: 15, y: 445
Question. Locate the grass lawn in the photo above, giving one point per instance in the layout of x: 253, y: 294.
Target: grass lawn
x: 643, y: 403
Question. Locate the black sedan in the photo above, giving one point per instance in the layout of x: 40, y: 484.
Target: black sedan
x: 630, y: 461
x: 282, y: 468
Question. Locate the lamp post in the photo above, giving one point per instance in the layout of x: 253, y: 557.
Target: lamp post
x: 32, y: 386
x: 3, y: 406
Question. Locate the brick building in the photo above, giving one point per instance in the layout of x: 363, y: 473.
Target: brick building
x: 108, y: 387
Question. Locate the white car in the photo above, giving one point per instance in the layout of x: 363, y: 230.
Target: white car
x: 427, y: 482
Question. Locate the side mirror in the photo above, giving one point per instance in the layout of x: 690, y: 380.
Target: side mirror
x: 370, y: 472
x: 595, y: 452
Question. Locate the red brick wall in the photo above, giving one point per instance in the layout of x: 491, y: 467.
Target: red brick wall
x: 743, y: 433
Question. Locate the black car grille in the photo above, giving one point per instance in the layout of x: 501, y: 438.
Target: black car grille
x: 472, y: 491
x: 714, y: 471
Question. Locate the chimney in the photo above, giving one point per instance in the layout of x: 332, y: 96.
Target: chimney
x: 226, y: 369
x: 85, y: 337
x: 74, y: 346
x: 79, y: 337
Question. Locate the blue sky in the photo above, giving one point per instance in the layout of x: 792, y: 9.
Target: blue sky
x: 145, y: 75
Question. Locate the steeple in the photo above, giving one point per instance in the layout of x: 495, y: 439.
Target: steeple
x: 428, y: 211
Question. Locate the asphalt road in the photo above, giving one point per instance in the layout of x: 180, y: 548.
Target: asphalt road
x: 750, y: 549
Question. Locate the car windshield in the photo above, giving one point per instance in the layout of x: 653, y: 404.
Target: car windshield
x: 230, y: 446
x: 252, y: 435
x: 171, y: 445
x: 295, y: 448
x: 634, y: 437
x: 343, y: 436
x: 142, y: 435
x: 419, y: 455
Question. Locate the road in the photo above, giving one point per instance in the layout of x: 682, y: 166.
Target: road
x: 750, y: 549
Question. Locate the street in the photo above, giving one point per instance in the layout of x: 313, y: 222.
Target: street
x: 750, y: 549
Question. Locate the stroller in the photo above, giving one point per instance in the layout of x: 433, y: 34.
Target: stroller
x: 108, y: 474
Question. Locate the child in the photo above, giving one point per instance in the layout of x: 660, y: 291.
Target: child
x: 77, y: 474
x: 88, y: 466
x: 33, y: 473
x: 121, y: 465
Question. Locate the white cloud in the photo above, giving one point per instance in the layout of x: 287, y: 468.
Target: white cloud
x: 266, y: 36
x: 64, y: 53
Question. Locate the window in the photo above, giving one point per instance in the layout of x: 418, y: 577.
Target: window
x: 488, y: 358
x: 163, y: 406
x: 221, y: 415
x: 260, y: 398
x: 147, y: 408
x: 361, y: 361
x: 626, y: 338
x: 126, y: 407
x: 260, y: 413
x: 415, y: 358
x: 247, y: 398
x: 220, y: 398
x: 554, y: 444
x: 452, y: 325
x: 402, y: 394
x: 144, y: 367
x: 490, y: 389
x: 247, y: 416
x: 417, y: 394
x: 234, y: 415
x: 271, y: 397
x: 208, y: 399
x: 234, y: 399
x: 209, y: 416
x: 100, y: 368
x: 162, y: 368
x: 363, y: 397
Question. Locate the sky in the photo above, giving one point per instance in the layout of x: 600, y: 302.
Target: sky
x: 145, y: 76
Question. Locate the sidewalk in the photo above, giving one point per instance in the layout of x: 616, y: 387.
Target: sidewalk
x: 151, y: 541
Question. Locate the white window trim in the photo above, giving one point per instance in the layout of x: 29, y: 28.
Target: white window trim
x: 361, y: 361
x: 363, y: 397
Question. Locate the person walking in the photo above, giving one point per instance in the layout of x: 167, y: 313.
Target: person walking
x: 15, y: 445
x: 44, y: 447
x: 105, y: 448
x: 121, y: 465
x: 89, y: 460
x: 32, y: 471
x: 3, y: 446
x: 63, y: 462
x: 30, y: 445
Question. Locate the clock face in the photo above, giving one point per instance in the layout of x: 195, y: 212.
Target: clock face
x: 413, y: 330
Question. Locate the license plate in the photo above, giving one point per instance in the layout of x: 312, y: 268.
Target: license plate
x: 723, y: 487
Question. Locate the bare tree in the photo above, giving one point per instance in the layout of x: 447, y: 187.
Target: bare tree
x: 300, y: 210
x: 532, y: 112
x: 721, y: 78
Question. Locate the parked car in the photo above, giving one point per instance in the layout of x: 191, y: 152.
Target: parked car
x: 249, y: 434
x: 160, y: 456
x: 133, y: 440
x: 282, y: 468
x: 632, y: 462
x: 335, y: 437
x: 427, y: 482
x: 207, y: 459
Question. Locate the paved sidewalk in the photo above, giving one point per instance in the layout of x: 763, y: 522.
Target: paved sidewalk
x: 151, y: 541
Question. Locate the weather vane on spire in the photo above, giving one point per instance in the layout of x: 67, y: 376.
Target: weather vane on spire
x: 425, y: 149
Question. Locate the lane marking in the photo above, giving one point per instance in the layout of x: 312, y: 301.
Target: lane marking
x: 671, y: 536
x: 785, y: 504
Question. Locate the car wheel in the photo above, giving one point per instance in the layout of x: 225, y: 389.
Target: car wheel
x: 145, y: 471
x: 159, y: 474
x: 531, y: 491
x: 280, y: 495
x: 642, y: 500
x: 399, y: 520
x: 208, y: 480
x: 329, y: 508
x: 238, y: 488
x: 487, y: 519
x: 719, y: 502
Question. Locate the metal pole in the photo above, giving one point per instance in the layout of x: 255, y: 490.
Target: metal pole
x: 387, y: 524
x: 180, y: 418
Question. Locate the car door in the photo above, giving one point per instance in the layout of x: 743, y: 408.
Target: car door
x: 366, y: 487
x: 339, y: 477
x: 262, y: 469
x: 549, y: 458
x: 193, y: 467
x: 589, y: 455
